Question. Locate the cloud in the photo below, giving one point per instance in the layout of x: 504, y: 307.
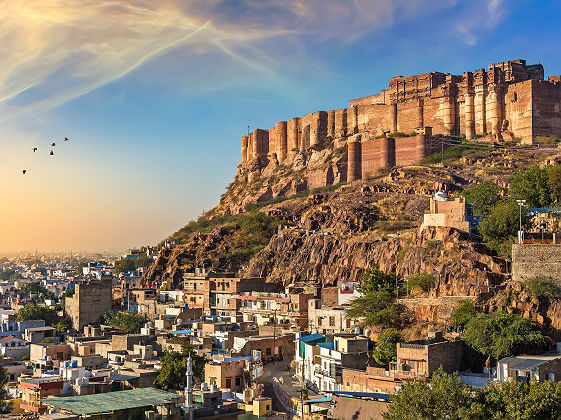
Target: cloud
x: 467, y: 36
x: 477, y: 17
x: 55, y: 51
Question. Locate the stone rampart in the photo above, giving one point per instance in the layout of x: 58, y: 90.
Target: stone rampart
x: 531, y: 260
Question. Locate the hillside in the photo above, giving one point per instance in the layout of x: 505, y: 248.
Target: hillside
x: 335, y: 232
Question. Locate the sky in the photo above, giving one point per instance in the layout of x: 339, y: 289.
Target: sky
x: 156, y: 94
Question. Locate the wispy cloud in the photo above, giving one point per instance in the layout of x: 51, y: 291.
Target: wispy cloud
x: 55, y: 51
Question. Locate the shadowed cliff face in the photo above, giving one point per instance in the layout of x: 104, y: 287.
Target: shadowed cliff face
x: 336, y: 233
x: 459, y: 266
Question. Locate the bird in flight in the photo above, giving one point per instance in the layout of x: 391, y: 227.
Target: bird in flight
x: 52, y: 153
x: 34, y: 149
x: 53, y: 144
x: 66, y: 139
x: 24, y: 171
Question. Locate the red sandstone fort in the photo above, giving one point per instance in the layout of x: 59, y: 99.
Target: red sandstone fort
x: 510, y: 99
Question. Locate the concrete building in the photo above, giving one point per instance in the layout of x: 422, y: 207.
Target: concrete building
x: 269, y: 346
x: 230, y: 376
x: 33, y: 390
x: 527, y: 368
x: 279, y: 308
x: 328, y: 319
x: 345, y: 351
x: 89, y: 302
x: 449, y: 213
x: 13, y: 347
x: 420, y: 358
x: 17, y: 328
x: 39, y: 334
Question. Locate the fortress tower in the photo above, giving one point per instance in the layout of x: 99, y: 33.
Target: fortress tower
x: 509, y: 99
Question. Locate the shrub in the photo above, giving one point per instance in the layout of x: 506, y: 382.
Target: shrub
x: 464, y: 313
x: 386, y: 346
x: 483, y: 197
x: 499, y: 335
x: 541, y: 287
x: 423, y: 281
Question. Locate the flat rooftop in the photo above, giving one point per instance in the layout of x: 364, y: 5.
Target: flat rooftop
x: 112, y: 401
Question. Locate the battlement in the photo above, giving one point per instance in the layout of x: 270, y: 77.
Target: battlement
x: 509, y: 99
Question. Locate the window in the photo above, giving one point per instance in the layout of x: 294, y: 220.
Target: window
x: 331, y: 321
x: 268, y: 351
x: 267, y: 407
x: 238, y: 381
x: 228, y: 382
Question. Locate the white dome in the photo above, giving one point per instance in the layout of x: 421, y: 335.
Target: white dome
x: 441, y: 196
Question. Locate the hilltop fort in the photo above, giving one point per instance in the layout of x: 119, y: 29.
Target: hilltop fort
x: 406, y: 122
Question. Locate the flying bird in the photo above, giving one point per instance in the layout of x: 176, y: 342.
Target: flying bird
x: 66, y: 139
x: 53, y: 144
x: 52, y: 153
x: 34, y: 149
x: 24, y: 171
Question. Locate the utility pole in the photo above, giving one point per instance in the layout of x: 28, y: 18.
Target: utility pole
x: 274, y: 333
x: 520, y: 234
x: 302, y: 390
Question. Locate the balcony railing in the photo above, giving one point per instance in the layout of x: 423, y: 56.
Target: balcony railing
x: 412, y: 346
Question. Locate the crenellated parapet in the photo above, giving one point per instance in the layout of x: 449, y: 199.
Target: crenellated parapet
x: 507, y: 100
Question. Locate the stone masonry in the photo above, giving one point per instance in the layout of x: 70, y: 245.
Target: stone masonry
x: 89, y: 302
x: 531, y: 260
x: 509, y: 99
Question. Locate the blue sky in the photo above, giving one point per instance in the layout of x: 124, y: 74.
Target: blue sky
x: 156, y: 95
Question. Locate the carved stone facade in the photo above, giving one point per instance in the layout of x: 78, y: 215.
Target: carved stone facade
x: 510, y: 99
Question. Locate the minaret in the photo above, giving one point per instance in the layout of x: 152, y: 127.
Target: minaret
x: 189, y: 385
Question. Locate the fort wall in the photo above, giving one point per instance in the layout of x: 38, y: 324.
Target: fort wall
x: 531, y: 260
x: 509, y: 99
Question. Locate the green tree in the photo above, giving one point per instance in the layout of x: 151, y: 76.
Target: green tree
x: 513, y: 400
x: 541, y: 287
x: 423, y: 281
x: 503, y: 221
x: 143, y: 261
x: 6, y: 274
x: 464, y: 313
x: 374, y: 308
x: 32, y: 312
x: 125, y: 265
x: 444, y: 397
x: 174, y: 368
x: 125, y: 321
x: 34, y: 287
x: 5, y: 405
x: 554, y: 183
x: 375, y: 280
x: 386, y: 346
x: 484, y: 197
x: 531, y: 185
x: 499, y: 335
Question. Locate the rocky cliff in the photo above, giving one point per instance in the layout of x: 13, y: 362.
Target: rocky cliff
x: 335, y: 233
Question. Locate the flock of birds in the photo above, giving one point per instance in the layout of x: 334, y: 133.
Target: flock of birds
x: 53, y: 144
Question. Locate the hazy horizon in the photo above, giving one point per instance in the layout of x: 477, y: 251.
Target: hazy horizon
x: 155, y: 95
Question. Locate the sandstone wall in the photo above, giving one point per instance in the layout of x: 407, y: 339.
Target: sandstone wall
x: 509, y: 98
x: 546, y: 107
x: 531, y: 260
